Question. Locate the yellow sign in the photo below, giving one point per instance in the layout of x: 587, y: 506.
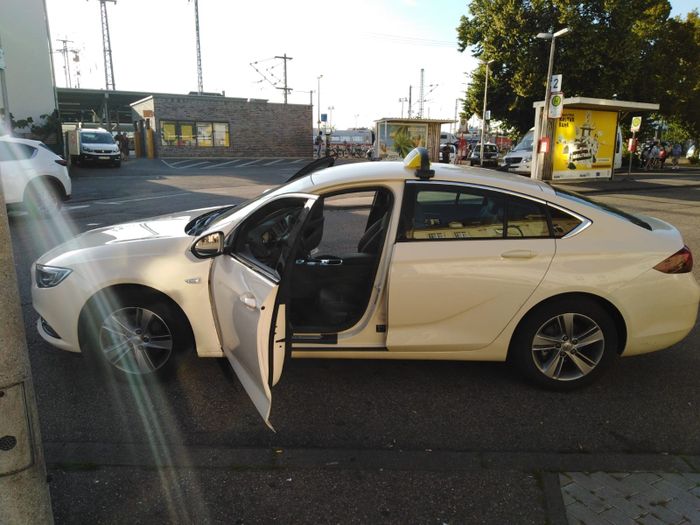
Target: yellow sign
x: 584, y: 144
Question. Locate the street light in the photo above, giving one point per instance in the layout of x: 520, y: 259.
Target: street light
x: 330, y: 116
x: 545, y: 168
x: 318, y: 101
x: 402, y: 100
x: 483, y: 114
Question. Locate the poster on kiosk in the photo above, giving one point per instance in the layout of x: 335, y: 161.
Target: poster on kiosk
x: 584, y: 144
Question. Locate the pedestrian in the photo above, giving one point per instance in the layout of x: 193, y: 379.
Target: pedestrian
x: 663, y: 153
x: 653, y: 157
x: 318, y: 142
x: 676, y: 152
x: 462, y: 150
x: 124, y: 146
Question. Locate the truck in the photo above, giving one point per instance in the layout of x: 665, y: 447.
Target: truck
x: 93, y: 145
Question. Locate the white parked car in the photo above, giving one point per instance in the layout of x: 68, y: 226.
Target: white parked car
x: 32, y: 175
x: 378, y: 260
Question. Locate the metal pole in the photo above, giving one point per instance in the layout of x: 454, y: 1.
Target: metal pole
x: 483, y: 116
x: 545, y: 130
x: 410, y: 101
x: 629, y: 168
x: 5, y: 120
x: 107, y: 46
x: 24, y: 493
x: 318, y: 101
x: 200, y: 82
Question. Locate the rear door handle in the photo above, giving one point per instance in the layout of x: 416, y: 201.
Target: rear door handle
x: 518, y: 254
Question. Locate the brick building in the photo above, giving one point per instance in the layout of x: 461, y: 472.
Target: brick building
x: 217, y: 126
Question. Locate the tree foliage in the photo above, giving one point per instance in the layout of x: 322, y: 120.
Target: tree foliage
x: 615, y: 48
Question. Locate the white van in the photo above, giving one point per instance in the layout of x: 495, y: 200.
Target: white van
x: 95, y: 145
x: 519, y: 159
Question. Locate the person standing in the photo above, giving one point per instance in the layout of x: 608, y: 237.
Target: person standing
x: 319, y: 142
x: 675, y: 155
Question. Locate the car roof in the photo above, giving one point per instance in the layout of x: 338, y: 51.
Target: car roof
x: 20, y: 140
x: 394, y: 171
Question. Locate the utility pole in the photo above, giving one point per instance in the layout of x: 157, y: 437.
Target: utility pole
x: 24, y: 493
x: 421, y: 95
x: 200, y: 82
x: 286, y: 89
x: 66, y: 65
x: 106, y: 45
x: 402, y: 100
x: 410, y: 101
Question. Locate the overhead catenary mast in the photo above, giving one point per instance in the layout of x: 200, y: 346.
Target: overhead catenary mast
x: 200, y: 82
x: 106, y: 45
x: 66, y: 65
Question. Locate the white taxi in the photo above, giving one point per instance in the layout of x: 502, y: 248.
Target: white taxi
x: 380, y: 260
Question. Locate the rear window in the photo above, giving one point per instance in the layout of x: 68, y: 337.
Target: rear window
x: 576, y: 197
x: 16, y: 151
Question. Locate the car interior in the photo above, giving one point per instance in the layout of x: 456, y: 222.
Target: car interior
x: 337, y: 259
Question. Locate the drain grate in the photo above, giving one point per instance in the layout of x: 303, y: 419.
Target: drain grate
x: 8, y: 443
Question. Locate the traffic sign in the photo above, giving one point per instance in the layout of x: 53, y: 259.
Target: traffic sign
x: 636, y: 124
x: 556, y: 105
x: 555, y: 84
x: 324, y: 117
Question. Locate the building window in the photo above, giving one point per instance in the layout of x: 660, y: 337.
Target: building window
x: 221, y: 134
x: 204, y: 135
x: 187, y: 137
x: 168, y: 133
x: 190, y: 134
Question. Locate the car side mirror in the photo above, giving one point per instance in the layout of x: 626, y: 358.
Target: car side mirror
x: 209, y: 246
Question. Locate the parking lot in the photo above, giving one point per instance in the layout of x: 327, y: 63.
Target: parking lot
x: 390, y: 442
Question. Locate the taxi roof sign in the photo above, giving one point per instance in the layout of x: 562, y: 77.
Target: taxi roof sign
x: 419, y: 159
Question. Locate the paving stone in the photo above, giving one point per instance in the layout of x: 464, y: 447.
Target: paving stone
x: 580, y: 514
x: 630, y: 509
x: 685, y: 498
x: 616, y: 517
x: 682, y: 481
x: 648, y: 519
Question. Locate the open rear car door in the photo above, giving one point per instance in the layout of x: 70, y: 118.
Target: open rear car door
x: 248, y: 288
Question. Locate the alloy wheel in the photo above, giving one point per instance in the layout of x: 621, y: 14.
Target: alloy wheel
x: 568, y: 347
x: 136, y: 340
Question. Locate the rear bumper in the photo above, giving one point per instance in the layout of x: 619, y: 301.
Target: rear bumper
x: 660, y: 310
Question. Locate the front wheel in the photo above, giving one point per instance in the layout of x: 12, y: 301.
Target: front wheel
x: 565, y: 344
x: 138, y: 337
x: 42, y: 199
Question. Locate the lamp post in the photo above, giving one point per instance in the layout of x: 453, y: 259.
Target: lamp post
x: 544, y: 168
x: 318, y: 101
x: 483, y: 114
x: 330, y: 116
x: 402, y: 100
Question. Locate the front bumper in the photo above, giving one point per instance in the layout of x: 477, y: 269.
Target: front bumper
x: 101, y: 157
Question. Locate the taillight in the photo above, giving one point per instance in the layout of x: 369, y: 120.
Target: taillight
x: 62, y: 162
x: 679, y: 262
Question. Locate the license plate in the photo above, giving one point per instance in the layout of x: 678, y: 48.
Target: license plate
x: 104, y: 158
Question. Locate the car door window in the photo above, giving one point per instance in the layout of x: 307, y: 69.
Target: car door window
x: 451, y: 212
x: 562, y: 222
x: 264, y: 238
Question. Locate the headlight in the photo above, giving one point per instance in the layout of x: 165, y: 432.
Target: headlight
x: 50, y: 276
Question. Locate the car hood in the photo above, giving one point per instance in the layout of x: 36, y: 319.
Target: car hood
x: 155, y: 231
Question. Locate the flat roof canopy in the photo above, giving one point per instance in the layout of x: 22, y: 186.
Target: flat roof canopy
x: 603, y: 104
x: 415, y: 120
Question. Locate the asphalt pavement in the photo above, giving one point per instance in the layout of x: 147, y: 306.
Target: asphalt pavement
x: 356, y: 442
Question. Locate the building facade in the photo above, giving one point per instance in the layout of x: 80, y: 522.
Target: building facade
x: 25, y: 40
x: 217, y: 126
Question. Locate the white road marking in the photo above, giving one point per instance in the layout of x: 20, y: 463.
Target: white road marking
x: 124, y: 201
x: 249, y: 163
x: 273, y: 162
x: 77, y: 207
x: 298, y: 161
x: 94, y: 223
x: 193, y: 165
x: 221, y: 164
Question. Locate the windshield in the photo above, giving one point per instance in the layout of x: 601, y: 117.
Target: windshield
x: 96, y: 137
x: 526, y: 142
x: 600, y: 206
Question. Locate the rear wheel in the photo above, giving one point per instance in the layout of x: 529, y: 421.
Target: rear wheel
x: 42, y: 198
x: 565, y: 344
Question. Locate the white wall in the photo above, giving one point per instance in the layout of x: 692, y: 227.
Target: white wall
x: 24, y: 34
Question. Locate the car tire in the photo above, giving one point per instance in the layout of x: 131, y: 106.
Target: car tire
x: 42, y: 199
x: 565, y: 344
x: 135, y: 338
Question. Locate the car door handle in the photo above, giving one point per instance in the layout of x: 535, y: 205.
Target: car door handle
x: 518, y: 254
x: 248, y: 299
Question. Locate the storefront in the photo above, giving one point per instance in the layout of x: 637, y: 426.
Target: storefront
x: 217, y: 126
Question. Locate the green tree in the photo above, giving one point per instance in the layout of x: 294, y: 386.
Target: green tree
x: 632, y: 51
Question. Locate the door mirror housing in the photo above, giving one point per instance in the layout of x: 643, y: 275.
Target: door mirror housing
x: 209, y: 246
